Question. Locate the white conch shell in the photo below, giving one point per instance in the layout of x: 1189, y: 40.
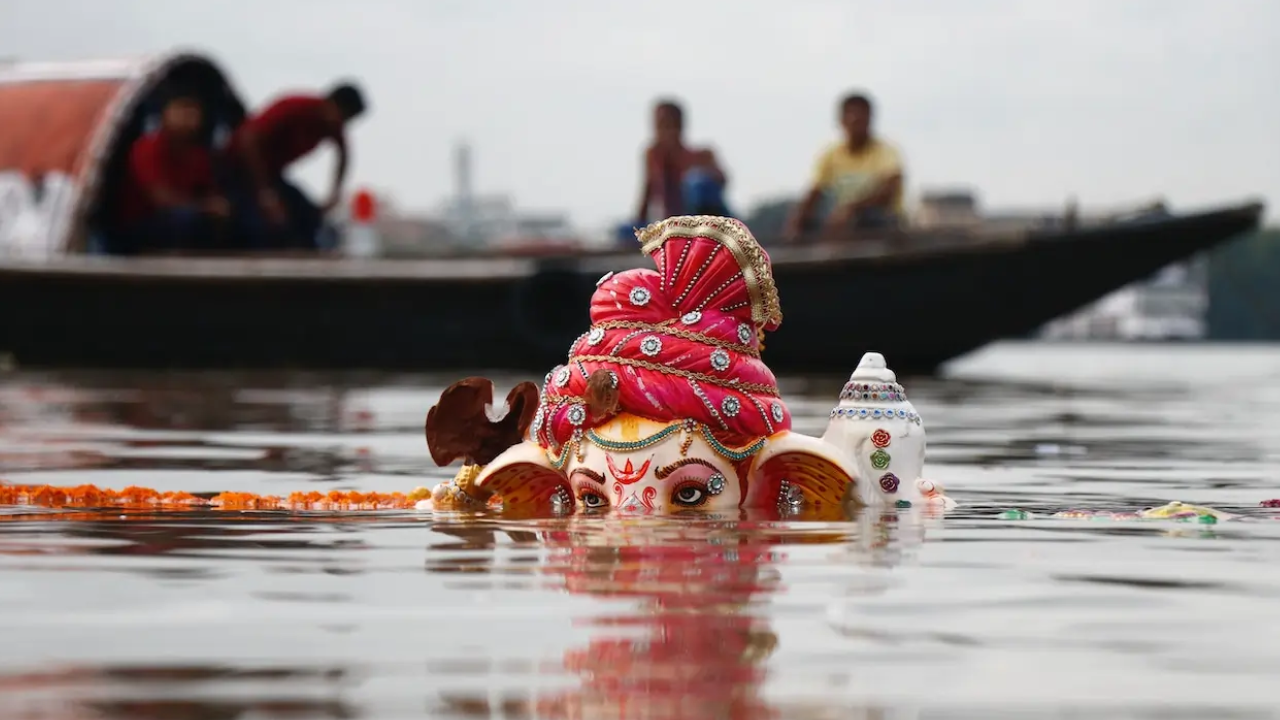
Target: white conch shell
x: 873, y: 367
x: 880, y: 432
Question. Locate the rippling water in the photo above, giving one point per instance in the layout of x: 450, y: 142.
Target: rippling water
x: 399, y: 615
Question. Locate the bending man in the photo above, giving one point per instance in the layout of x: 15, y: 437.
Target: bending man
x: 275, y: 212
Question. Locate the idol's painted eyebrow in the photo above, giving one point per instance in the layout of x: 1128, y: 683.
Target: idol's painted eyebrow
x: 590, y: 474
x: 666, y: 470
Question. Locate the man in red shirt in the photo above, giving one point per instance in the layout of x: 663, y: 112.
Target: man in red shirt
x: 168, y: 201
x: 274, y: 211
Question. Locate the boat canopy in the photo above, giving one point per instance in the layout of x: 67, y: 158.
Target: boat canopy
x: 67, y: 129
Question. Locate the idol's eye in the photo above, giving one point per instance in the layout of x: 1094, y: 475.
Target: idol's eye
x: 690, y: 495
x: 592, y: 501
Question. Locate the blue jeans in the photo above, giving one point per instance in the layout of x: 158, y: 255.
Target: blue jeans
x: 876, y: 219
x: 873, y: 218
x: 703, y: 195
x: 301, y: 229
x: 178, y: 228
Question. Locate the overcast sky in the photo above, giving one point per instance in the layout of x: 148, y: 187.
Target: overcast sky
x: 1027, y: 101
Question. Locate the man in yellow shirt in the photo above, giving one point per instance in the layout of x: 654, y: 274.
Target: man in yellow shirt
x: 860, y: 179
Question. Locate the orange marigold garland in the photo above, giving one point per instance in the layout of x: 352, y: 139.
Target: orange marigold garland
x: 92, y: 496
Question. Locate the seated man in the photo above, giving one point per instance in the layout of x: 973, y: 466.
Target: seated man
x: 274, y: 212
x: 860, y: 179
x: 684, y: 180
x: 168, y: 201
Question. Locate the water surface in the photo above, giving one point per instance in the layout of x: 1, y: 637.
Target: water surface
x: 402, y: 615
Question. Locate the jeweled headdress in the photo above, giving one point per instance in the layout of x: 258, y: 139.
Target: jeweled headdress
x: 681, y: 342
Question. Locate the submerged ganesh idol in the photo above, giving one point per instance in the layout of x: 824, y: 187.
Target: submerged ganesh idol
x: 665, y: 406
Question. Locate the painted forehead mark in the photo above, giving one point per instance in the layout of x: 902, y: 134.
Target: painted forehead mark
x: 666, y: 470
x: 628, y: 473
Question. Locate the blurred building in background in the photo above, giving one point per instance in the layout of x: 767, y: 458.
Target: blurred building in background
x: 1242, y: 280
x: 464, y: 221
x: 948, y: 209
x: 483, y: 220
x: 1169, y: 306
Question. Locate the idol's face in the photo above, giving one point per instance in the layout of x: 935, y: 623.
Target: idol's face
x: 637, y: 466
x: 679, y: 473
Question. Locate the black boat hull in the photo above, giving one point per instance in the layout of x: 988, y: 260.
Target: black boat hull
x: 918, y: 308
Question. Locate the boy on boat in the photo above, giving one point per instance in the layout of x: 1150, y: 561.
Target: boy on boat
x: 273, y: 212
x: 169, y: 199
x: 684, y: 180
x: 858, y: 180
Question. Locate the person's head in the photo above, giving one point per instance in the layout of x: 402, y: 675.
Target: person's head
x: 348, y: 99
x: 668, y: 122
x: 183, y: 115
x: 855, y: 116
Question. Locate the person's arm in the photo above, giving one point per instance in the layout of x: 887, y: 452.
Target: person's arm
x: 251, y: 153
x: 208, y: 194
x: 339, y: 170
x: 881, y: 196
x: 162, y: 196
x: 144, y: 164
x: 646, y: 188
x: 707, y: 160
x: 884, y: 193
x: 887, y: 189
x: 803, y: 210
x: 842, y: 215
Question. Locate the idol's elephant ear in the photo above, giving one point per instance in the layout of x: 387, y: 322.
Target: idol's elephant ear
x: 525, y: 481
x: 465, y: 424
x: 799, y: 468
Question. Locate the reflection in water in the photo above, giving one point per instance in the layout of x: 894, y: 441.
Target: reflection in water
x: 60, y: 421
x: 127, y: 421
x: 202, y: 401
x: 691, y: 639
x: 266, y: 615
x: 126, y: 693
x: 696, y: 643
x: 196, y: 534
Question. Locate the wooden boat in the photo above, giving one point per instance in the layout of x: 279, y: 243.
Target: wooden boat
x: 919, y: 298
